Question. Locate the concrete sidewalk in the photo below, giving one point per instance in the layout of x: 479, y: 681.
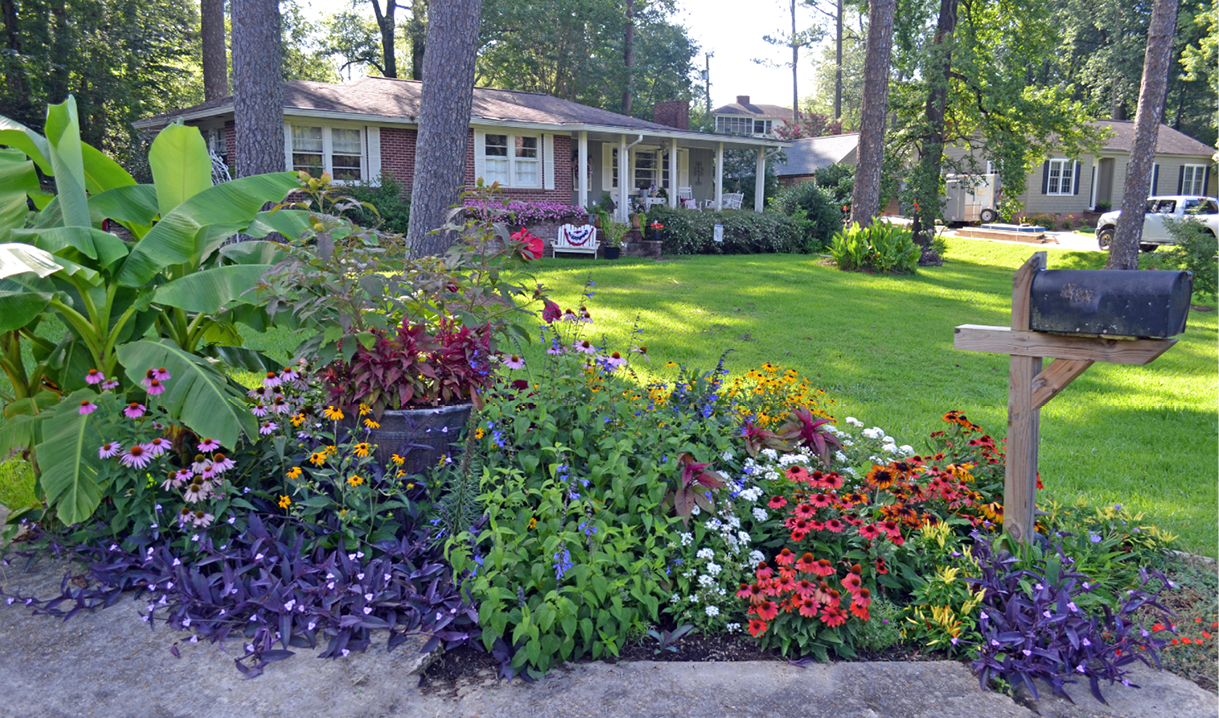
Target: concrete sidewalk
x: 108, y: 663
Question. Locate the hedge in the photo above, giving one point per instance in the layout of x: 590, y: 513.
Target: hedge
x: 689, y: 232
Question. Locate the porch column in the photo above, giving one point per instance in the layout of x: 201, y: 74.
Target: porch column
x: 583, y: 169
x: 719, y: 176
x: 1095, y: 172
x: 624, y: 163
x: 673, y: 172
x: 759, y: 182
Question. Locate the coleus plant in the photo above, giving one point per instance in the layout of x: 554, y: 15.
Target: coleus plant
x: 692, y: 487
x: 1041, y: 622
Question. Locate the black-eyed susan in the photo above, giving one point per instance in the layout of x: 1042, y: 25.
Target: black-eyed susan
x: 533, y: 523
x: 371, y: 424
x: 364, y: 410
x: 479, y: 433
x: 398, y: 460
x: 362, y: 449
x: 333, y: 413
x: 317, y: 458
x: 355, y: 480
x: 294, y: 473
x: 284, y: 501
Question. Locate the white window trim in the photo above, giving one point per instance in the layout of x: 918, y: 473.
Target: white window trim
x: 545, y: 159
x: 367, y: 136
x: 1063, y: 164
x: 1199, y: 176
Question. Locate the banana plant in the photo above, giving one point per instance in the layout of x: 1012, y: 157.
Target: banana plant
x: 174, y: 280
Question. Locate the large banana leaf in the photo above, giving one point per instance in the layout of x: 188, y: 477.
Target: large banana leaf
x: 67, y: 458
x: 18, y: 136
x: 17, y: 180
x: 241, y: 358
x: 198, y: 395
x: 20, y: 308
x: 133, y: 206
x: 181, y: 166
x: 253, y: 252
x: 93, y: 243
x: 176, y: 238
x: 21, y: 432
x: 63, y: 134
x: 18, y: 258
x: 210, y: 290
x: 101, y: 172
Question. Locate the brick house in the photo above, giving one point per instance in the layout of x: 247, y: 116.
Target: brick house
x: 531, y: 143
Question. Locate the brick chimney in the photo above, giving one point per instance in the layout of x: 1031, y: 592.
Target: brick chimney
x: 674, y: 114
x: 742, y: 99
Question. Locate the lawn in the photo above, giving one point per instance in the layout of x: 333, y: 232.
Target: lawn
x: 1145, y: 437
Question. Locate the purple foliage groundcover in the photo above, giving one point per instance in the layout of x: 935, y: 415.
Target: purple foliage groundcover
x: 264, y: 587
x: 525, y: 213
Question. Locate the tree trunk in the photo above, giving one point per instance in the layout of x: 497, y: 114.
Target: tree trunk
x: 258, y: 91
x: 385, y: 22
x: 865, y: 200
x: 628, y: 57
x: 931, y: 150
x: 838, y: 68
x: 215, y: 54
x: 1124, y: 250
x: 12, y: 68
x: 795, y: 65
x: 444, y: 120
x: 418, y: 33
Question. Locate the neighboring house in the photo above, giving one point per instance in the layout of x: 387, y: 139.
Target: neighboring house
x: 1072, y: 185
x: 532, y: 144
x: 807, y: 155
x: 745, y: 118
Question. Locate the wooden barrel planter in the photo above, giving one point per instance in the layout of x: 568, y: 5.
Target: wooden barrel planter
x: 421, y: 436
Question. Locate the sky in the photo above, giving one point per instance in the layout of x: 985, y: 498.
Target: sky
x: 730, y: 29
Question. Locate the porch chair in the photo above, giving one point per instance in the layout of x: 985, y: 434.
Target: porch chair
x: 570, y: 238
x: 732, y: 200
x: 685, y: 198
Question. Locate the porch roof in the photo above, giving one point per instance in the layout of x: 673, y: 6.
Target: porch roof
x: 394, y: 101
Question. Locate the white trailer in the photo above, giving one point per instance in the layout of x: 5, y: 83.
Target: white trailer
x: 970, y: 198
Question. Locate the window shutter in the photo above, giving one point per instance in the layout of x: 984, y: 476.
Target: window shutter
x: 1206, y: 180
x: 1075, y: 174
x: 1155, y: 179
x: 1181, y: 180
x: 1045, y: 177
x: 373, y: 173
x: 480, y: 154
x: 287, y: 147
x: 548, y: 161
x: 683, y: 168
x: 608, y: 180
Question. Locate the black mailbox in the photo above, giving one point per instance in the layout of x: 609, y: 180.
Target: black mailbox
x: 1151, y: 304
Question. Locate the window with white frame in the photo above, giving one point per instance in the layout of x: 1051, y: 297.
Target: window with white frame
x: 322, y: 148
x: 1061, y: 177
x: 647, y: 170
x: 734, y: 125
x: 512, y: 160
x: 216, y: 139
x: 1193, y: 179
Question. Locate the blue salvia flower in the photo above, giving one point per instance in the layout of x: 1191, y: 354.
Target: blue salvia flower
x: 562, y: 563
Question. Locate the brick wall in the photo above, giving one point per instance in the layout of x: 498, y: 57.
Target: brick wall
x: 674, y: 114
x: 230, y: 148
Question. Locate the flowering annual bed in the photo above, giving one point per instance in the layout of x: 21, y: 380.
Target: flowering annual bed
x: 523, y: 213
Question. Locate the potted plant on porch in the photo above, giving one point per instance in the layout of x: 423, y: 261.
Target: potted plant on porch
x: 613, y: 232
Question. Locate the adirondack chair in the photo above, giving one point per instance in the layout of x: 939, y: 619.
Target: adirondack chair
x: 582, y: 239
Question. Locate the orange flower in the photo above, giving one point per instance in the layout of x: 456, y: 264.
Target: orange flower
x: 833, y: 616
x: 852, y: 583
x: 808, y: 607
x: 785, y: 558
x: 823, y: 568
x: 806, y: 563
x: 766, y: 610
x: 756, y: 627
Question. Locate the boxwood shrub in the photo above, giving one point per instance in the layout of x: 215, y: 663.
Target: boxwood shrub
x: 687, y: 232
x: 814, y: 209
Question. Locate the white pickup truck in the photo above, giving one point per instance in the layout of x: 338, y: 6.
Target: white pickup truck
x: 1191, y: 207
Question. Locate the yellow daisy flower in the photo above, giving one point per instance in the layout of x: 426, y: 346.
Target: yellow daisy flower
x: 318, y: 458
x: 354, y: 480
x: 298, y: 419
x: 333, y: 413
x: 364, y: 410
x: 371, y: 424
x: 361, y: 449
x: 398, y: 460
x: 284, y: 501
x: 479, y: 433
x: 294, y: 473
x: 533, y: 523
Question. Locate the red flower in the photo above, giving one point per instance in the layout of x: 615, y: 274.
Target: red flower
x: 816, y: 525
x: 784, y: 584
x: 798, y: 535
x: 777, y: 502
x: 764, y: 571
x: 891, y: 528
x: 533, y: 246
x: 880, y: 566
x: 766, y: 610
x: 852, y: 583
x: 757, y: 593
x: 862, y: 598
x: 833, y: 480
x: 835, y: 526
x: 744, y: 591
x: 823, y: 568
x: 550, y: 311
x: 785, y: 558
x: 820, y: 501
x: 804, y: 511
x: 808, y: 607
x: 806, y: 563
x: 833, y: 616
x: 804, y: 587
x: 757, y: 628
x: 859, y: 612
x: 797, y: 473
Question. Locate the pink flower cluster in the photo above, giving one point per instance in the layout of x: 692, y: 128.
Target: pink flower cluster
x: 525, y: 212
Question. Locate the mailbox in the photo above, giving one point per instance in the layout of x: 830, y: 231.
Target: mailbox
x: 1124, y: 303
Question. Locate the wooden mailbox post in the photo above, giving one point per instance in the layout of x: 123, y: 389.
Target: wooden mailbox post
x: 1030, y: 386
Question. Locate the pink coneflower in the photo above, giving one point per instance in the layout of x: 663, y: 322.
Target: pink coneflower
x: 835, y: 526
x: 271, y: 379
x: 109, y: 449
x: 202, y: 519
x: 112, y: 384
x: 267, y: 427
x: 155, y: 387
x: 196, y: 492
x: 222, y: 463
x: 184, y: 515
x: 255, y: 393
x: 176, y: 479
x: 281, y: 405
x: 137, y: 457
x: 616, y: 360
x: 161, y: 374
x: 259, y: 410
x: 209, y: 472
x: 208, y: 445
x: 641, y: 351
x: 201, y: 463
x: 87, y: 407
x: 555, y: 349
x: 94, y: 376
x: 289, y: 374
x: 570, y: 316
x: 157, y: 446
x: 134, y: 410
x: 584, y: 346
x: 514, y: 362
x: 869, y: 532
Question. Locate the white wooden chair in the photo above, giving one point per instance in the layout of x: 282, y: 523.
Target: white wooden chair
x: 570, y: 238
x: 732, y: 200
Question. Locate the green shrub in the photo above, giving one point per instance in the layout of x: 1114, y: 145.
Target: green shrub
x: 1048, y: 221
x: 1196, y: 250
x: 881, y: 247
x: 386, y: 195
x: 687, y: 232
x: 840, y: 181
x: 814, y: 209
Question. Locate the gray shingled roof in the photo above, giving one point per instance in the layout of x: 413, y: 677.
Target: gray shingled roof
x: 1168, y: 140
x: 388, y: 97
x: 808, y: 155
x: 736, y: 108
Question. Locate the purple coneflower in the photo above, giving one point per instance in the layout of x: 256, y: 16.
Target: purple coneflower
x: 641, y: 351
x: 255, y: 393
x: 155, y: 387
x: 208, y: 445
x: 137, y: 457
x: 514, y: 362
x: 94, y: 376
x: 222, y: 463
x: 109, y: 449
x: 202, y: 519
x: 281, y: 405
x: 271, y: 379
x: 289, y: 374
x: 200, y: 464
x: 134, y: 410
x: 615, y: 360
x: 87, y: 407
x: 160, y: 374
x: 112, y: 384
x: 156, y: 447
x: 259, y: 410
x: 196, y: 492
x: 267, y: 427
x: 584, y: 346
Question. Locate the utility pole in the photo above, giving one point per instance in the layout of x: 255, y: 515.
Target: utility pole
x: 838, y: 68
x: 707, y: 78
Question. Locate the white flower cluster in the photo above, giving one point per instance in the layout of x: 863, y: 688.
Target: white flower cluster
x: 753, y: 493
x: 760, y: 514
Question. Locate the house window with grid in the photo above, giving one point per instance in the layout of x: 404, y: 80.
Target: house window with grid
x: 321, y: 148
x: 1062, y: 177
x: 512, y: 160
x: 647, y: 170
x: 217, y: 142
x: 734, y: 125
x: 1193, y: 179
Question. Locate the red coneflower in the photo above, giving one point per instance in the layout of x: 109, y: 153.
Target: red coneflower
x: 765, y: 610
x: 869, y: 532
x: 777, y: 502
x: 797, y: 473
x: 820, y: 501
x: 881, y: 568
x: 785, y: 558
x: 859, y: 612
x: 757, y: 593
x: 891, y: 528
x: 806, y: 563
x: 784, y: 584
x: 852, y: 583
x: 744, y: 591
x: 763, y: 571
x: 804, y: 511
x: 834, y: 480
x: 805, y: 587
x: 833, y: 616
x: 757, y: 628
x: 808, y: 607
x: 823, y: 568
x: 835, y: 526
x: 797, y: 536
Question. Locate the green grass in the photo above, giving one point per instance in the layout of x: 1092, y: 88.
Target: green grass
x: 1145, y: 437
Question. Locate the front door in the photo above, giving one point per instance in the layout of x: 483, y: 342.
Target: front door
x: 1104, y: 181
